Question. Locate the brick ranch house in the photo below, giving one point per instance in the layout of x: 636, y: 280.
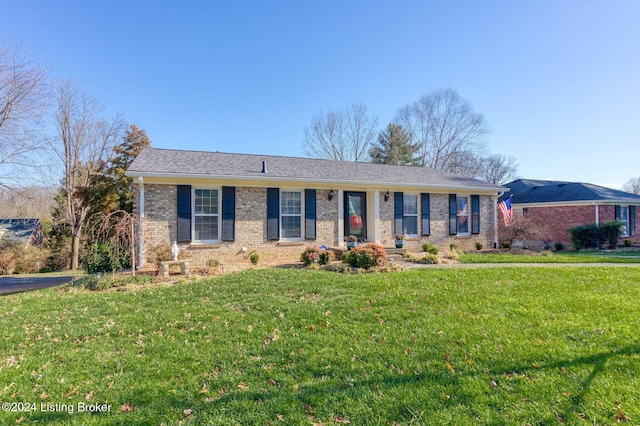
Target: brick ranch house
x: 224, y: 207
x: 557, y: 206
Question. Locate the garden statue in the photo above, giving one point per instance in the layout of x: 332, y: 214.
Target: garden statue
x: 175, y: 250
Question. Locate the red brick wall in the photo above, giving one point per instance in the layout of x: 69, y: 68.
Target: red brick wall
x: 558, y: 219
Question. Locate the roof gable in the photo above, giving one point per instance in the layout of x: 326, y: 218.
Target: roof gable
x: 178, y: 163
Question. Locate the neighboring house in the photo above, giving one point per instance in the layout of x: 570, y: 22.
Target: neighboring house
x: 27, y: 231
x: 223, y: 207
x: 558, y: 206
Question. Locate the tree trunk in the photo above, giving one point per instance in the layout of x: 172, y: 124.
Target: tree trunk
x: 75, y: 251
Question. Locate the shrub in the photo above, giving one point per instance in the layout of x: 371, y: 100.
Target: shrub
x: 478, y: 245
x: 628, y: 242
x: 313, y: 254
x: 430, y: 248
x: 505, y: 244
x: 310, y: 255
x: 453, y: 246
x: 326, y: 257
x: 594, y: 236
x: 254, y: 258
x: 558, y: 246
x: 428, y: 259
x: 371, y: 254
x: 104, y: 257
x: 105, y: 282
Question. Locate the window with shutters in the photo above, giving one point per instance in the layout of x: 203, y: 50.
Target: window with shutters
x: 291, y: 215
x: 624, y: 219
x: 410, y: 215
x: 206, y: 215
x: 462, y: 203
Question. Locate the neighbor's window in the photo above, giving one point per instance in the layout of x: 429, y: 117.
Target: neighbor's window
x: 290, y: 215
x: 410, y: 214
x: 206, y: 216
x: 463, y: 214
x: 624, y: 218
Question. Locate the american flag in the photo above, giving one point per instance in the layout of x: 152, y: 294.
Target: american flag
x: 507, y: 211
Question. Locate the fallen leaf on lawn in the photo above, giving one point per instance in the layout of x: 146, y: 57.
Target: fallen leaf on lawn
x: 242, y: 385
x: 72, y: 391
x: 89, y: 396
x: 125, y: 408
x: 341, y: 420
x: 188, y: 412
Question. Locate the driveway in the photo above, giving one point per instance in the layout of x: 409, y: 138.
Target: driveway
x: 15, y: 284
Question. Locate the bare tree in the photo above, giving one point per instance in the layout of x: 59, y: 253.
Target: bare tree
x: 23, y: 100
x: 27, y: 202
x: 498, y: 169
x: 632, y: 186
x: 343, y: 135
x: 446, y: 129
x: 83, y: 143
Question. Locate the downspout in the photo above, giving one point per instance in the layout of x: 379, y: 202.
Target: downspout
x: 597, y: 214
x: 495, y: 219
x: 141, y: 224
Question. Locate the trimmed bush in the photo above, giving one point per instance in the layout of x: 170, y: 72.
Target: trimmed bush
x: 313, y: 254
x: 430, y: 248
x: 254, y: 258
x: 371, y: 254
x: 594, y: 236
x: 558, y: 246
x: 628, y: 242
x: 479, y: 245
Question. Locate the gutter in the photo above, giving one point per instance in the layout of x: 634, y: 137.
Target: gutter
x: 334, y: 183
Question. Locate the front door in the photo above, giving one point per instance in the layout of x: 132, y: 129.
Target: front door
x: 355, y: 215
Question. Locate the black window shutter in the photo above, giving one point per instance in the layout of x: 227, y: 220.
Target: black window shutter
x: 632, y: 220
x: 617, y: 209
x: 475, y: 214
x: 426, y: 213
x: 453, y: 214
x: 398, y: 199
x: 184, y: 213
x: 273, y: 213
x: 228, y: 213
x: 310, y: 214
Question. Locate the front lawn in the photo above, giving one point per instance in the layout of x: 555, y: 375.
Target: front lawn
x: 425, y: 346
x: 551, y: 257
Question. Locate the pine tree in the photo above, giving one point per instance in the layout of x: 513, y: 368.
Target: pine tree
x: 394, y: 147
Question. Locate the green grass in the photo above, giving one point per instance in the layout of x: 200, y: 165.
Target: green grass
x: 459, y: 346
x: 549, y: 257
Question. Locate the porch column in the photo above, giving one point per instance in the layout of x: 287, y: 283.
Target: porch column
x: 340, y: 218
x: 373, y: 216
x: 141, y: 224
x: 597, y: 214
x: 494, y: 199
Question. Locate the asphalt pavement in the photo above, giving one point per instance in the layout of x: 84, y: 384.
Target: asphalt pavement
x: 16, y: 284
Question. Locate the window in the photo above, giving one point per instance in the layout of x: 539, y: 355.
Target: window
x: 624, y: 218
x: 291, y: 215
x: 206, y: 223
x: 410, y: 215
x: 462, y: 210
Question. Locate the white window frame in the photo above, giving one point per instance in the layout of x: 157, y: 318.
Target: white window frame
x: 468, y: 215
x: 194, y: 214
x: 625, y: 209
x: 416, y: 214
x: 281, y: 215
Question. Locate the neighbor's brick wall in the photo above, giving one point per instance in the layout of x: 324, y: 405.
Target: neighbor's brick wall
x: 557, y: 220
x: 160, y: 226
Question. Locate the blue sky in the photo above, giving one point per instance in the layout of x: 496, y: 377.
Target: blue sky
x: 558, y: 81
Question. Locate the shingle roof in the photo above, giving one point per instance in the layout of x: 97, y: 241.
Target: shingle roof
x: 178, y: 163
x: 18, y: 229
x: 527, y: 191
